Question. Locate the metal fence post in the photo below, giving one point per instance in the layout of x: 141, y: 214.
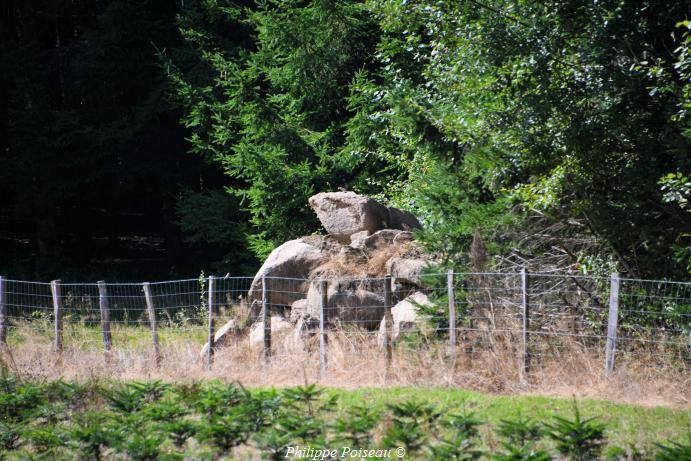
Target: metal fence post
x: 266, y: 318
x: 105, y: 315
x: 525, y: 327
x: 451, y: 288
x: 211, y: 340
x: 612, y: 320
x: 3, y: 312
x: 388, y: 321
x: 323, y: 300
x: 152, y: 321
x: 57, y: 311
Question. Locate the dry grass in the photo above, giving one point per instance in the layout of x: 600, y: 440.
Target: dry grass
x: 365, y: 262
x: 484, y: 363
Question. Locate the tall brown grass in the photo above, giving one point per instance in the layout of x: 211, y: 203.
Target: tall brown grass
x: 487, y: 362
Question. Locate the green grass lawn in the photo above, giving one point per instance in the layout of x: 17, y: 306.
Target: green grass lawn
x: 626, y: 425
x: 89, y: 336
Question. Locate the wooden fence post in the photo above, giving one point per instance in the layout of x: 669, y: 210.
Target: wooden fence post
x: 211, y: 340
x: 451, y: 287
x: 105, y: 315
x: 612, y: 320
x: 152, y: 321
x: 3, y: 312
x: 57, y: 311
x: 323, y: 300
x: 525, y: 327
x: 266, y: 318
x: 388, y: 322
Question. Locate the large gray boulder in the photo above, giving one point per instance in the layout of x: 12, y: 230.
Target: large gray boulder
x: 381, y: 239
x: 405, y: 316
x: 400, y: 219
x: 353, y: 303
x: 287, y: 266
x: 279, y: 328
x: 363, y: 236
x: 286, y: 338
x: 406, y: 270
x: 298, y: 309
x: 346, y: 213
x: 222, y: 336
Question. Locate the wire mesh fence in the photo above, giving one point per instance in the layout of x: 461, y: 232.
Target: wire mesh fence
x: 519, y: 320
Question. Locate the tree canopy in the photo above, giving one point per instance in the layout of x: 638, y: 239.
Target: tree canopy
x: 472, y: 115
x: 542, y: 132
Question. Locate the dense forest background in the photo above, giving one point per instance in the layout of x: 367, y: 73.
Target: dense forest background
x: 153, y: 139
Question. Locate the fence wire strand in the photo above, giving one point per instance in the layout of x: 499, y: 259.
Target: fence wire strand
x: 565, y: 311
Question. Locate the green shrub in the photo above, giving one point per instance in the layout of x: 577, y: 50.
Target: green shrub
x: 674, y: 451
x: 578, y: 439
x: 521, y: 436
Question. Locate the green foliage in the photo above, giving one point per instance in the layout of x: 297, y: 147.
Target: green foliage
x: 228, y: 430
x: 470, y: 115
x: 180, y: 430
x: 9, y: 436
x: 515, y: 453
x: 44, y: 440
x: 152, y: 420
x: 151, y: 391
x: 356, y: 426
x: 520, y: 439
x: 299, y: 412
x: 17, y: 401
x: 579, y: 439
x: 272, y: 113
x: 462, y: 442
x: 523, y: 103
x: 273, y: 443
x: 143, y: 446
x: 674, y: 450
x: 90, y: 433
x: 211, y: 400
x: 677, y: 189
x: 464, y: 424
x: 125, y: 399
x: 307, y: 398
x: 520, y: 431
x: 411, y: 422
x: 455, y: 447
